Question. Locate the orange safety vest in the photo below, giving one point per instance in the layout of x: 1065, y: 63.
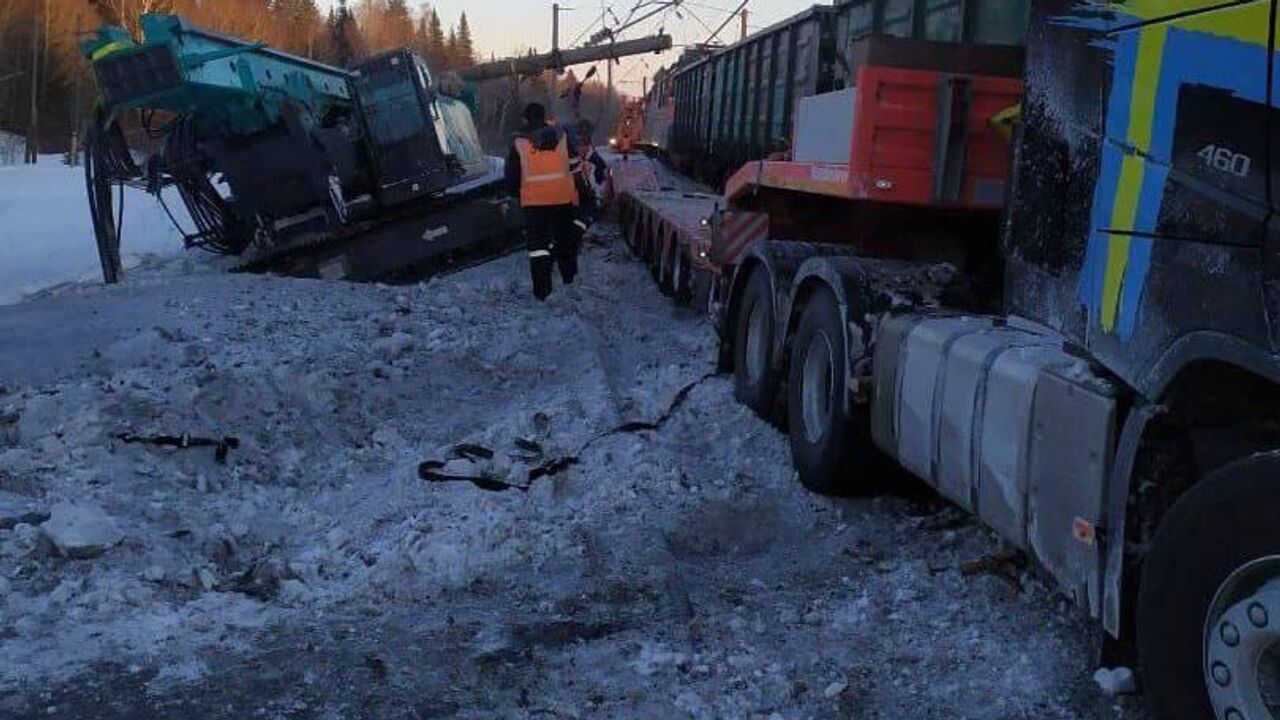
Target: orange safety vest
x: 545, y: 179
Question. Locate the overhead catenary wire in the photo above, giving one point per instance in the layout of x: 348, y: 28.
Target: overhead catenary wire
x: 616, y: 19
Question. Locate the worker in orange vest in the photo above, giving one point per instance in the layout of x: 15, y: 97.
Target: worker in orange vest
x: 538, y: 166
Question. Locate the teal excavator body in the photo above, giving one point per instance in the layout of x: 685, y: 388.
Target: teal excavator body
x: 271, y: 152
x: 226, y: 85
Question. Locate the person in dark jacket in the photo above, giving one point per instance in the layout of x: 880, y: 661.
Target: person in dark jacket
x: 584, y: 162
x: 538, y: 168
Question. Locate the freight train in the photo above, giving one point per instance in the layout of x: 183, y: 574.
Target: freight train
x: 731, y: 105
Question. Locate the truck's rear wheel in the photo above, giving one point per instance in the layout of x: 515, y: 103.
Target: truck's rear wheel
x: 821, y: 429
x: 1209, y: 599
x: 754, y: 377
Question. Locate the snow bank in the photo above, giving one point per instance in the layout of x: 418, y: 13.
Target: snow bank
x: 46, y: 237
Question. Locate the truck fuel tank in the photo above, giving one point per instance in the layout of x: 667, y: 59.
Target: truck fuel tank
x: 1005, y: 423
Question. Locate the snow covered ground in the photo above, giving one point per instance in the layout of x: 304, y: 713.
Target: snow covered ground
x: 680, y: 572
x: 46, y: 237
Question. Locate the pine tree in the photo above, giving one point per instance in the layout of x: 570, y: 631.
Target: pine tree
x: 451, y: 50
x: 297, y: 24
x: 398, y: 25
x: 345, y: 44
x: 437, y: 52
x: 421, y: 40
x: 465, y: 55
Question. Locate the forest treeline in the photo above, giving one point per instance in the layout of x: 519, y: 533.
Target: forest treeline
x: 38, y: 44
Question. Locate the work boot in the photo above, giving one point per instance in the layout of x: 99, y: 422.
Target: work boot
x: 540, y: 266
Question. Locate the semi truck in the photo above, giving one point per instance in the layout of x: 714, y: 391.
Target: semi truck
x: 1047, y: 288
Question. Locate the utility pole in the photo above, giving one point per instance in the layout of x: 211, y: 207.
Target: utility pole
x: 33, y: 130
x: 535, y: 65
x: 555, y: 53
x: 608, y: 95
x: 745, y: 14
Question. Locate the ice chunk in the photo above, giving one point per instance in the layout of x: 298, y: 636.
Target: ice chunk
x: 1116, y: 681
x: 81, y: 531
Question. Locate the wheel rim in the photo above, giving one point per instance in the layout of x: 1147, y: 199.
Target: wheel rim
x: 815, y: 390
x: 756, y: 339
x: 1242, y: 643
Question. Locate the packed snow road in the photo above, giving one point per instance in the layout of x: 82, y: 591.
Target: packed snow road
x: 670, y: 573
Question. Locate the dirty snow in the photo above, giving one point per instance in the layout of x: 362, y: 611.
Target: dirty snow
x: 676, y: 573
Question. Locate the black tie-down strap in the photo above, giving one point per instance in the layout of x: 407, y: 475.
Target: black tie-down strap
x: 221, y: 447
x: 525, y: 450
x: 530, y: 451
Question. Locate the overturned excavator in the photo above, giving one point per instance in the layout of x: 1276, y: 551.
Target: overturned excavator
x: 372, y: 173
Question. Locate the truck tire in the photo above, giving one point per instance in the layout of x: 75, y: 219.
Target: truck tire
x: 822, y: 433
x: 1209, y: 598
x: 754, y: 378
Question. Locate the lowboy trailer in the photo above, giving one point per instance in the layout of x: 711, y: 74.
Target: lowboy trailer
x: 1073, y: 338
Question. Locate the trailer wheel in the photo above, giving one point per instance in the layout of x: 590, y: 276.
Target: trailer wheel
x: 647, y: 243
x: 1209, y: 599
x: 643, y: 239
x: 631, y: 232
x: 666, y: 269
x: 682, y: 280
x: 822, y: 433
x: 754, y: 378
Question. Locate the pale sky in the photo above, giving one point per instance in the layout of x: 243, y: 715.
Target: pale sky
x: 503, y: 27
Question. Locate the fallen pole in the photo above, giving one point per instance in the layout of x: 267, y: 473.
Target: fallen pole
x: 534, y: 64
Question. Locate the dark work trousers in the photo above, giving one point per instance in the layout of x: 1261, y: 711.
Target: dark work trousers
x: 584, y: 216
x: 551, y: 239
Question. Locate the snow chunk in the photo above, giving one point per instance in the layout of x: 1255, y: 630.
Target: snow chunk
x: 394, y: 347
x: 1116, y: 681
x: 80, y: 531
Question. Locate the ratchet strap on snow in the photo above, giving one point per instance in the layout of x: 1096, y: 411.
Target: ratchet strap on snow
x: 431, y: 470
x: 221, y: 447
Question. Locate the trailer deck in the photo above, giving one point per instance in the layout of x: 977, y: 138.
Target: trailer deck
x: 671, y: 229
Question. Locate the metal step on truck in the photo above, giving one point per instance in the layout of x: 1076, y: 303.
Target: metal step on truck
x: 1050, y: 292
